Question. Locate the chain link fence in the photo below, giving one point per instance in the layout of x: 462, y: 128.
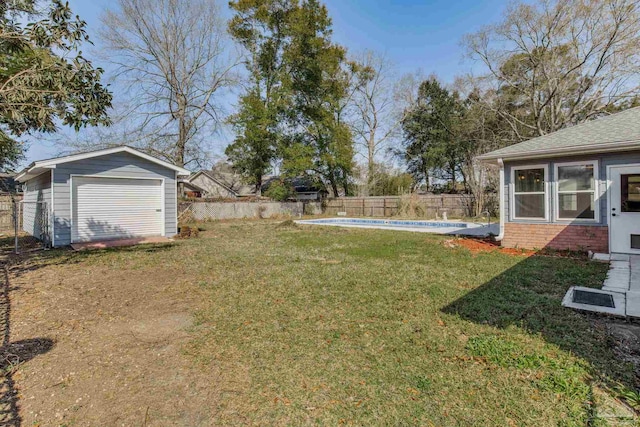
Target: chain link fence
x: 33, y: 219
x: 25, y: 223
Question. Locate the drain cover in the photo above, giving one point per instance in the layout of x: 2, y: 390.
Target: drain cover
x: 593, y: 298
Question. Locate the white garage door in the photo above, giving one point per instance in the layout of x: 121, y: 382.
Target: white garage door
x: 115, y: 208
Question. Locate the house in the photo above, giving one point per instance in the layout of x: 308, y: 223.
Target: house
x: 221, y: 182
x: 577, y: 188
x: 106, y: 194
x: 304, y: 188
x: 189, y: 190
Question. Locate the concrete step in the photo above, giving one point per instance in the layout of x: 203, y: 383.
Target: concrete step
x: 619, y: 257
x: 619, y: 301
x: 622, y: 283
x: 633, y: 304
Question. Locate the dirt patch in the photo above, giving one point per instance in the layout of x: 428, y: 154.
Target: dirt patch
x: 116, y: 337
x: 485, y: 245
x: 626, y: 341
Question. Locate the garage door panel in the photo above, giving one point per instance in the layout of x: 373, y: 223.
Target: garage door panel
x: 112, y: 208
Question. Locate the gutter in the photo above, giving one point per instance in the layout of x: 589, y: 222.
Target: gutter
x: 573, y: 151
x: 500, y: 236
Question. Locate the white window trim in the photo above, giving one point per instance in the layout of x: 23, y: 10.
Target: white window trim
x: 512, y: 206
x: 595, y: 191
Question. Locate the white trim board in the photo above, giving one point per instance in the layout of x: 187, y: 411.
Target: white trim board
x: 596, y: 193
x: 609, y: 147
x: 52, y: 210
x: 176, y: 193
x: 608, y: 190
x: 512, y: 193
x: 51, y: 163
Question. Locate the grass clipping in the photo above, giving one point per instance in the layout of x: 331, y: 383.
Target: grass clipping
x: 288, y: 224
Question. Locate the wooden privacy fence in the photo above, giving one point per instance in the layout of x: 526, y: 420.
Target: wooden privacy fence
x: 427, y: 206
x: 424, y: 206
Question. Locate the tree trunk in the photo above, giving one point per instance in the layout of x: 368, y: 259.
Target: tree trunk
x: 258, y: 185
x: 334, y: 186
x: 371, y: 165
x: 182, y: 132
x: 345, y: 187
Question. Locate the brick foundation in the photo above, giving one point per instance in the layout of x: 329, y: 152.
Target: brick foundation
x: 556, y: 236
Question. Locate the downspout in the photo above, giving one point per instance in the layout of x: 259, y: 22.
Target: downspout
x: 500, y: 236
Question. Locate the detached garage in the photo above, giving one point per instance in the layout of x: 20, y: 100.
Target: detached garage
x: 116, y: 193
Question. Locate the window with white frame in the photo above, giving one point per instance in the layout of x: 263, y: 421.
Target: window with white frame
x: 576, y: 191
x: 529, y: 192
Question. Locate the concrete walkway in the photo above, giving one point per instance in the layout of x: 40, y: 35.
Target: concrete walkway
x: 622, y: 283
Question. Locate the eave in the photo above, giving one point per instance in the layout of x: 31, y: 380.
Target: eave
x: 612, y: 147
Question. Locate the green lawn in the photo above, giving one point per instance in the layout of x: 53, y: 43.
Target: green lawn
x: 329, y: 326
x: 380, y: 327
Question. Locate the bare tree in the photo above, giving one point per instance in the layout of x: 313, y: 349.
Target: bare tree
x: 405, y: 91
x: 375, y: 117
x: 555, y: 63
x: 173, y: 59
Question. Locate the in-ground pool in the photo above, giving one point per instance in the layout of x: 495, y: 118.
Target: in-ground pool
x: 438, y: 227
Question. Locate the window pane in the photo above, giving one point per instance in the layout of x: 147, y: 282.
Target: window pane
x: 630, y: 193
x: 576, y: 178
x: 529, y: 205
x: 529, y: 180
x: 576, y: 206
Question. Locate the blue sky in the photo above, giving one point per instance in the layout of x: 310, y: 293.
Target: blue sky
x: 415, y: 34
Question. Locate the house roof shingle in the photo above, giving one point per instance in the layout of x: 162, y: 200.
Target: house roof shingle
x: 617, y: 132
x: 231, y: 181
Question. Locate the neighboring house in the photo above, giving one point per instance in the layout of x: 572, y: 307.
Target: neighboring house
x: 220, y: 183
x: 101, y: 195
x: 577, y: 188
x: 189, y: 190
x: 305, y: 188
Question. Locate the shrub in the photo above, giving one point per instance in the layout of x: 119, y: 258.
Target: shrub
x: 279, y: 190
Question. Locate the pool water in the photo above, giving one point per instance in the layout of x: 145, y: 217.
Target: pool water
x: 439, y: 227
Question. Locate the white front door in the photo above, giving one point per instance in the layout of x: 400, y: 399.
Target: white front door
x: 624, y: 209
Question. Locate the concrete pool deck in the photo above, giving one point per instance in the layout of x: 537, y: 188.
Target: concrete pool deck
x: 457, y: 228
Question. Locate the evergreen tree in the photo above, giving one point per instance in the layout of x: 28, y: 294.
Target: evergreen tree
x: 43, y: 76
